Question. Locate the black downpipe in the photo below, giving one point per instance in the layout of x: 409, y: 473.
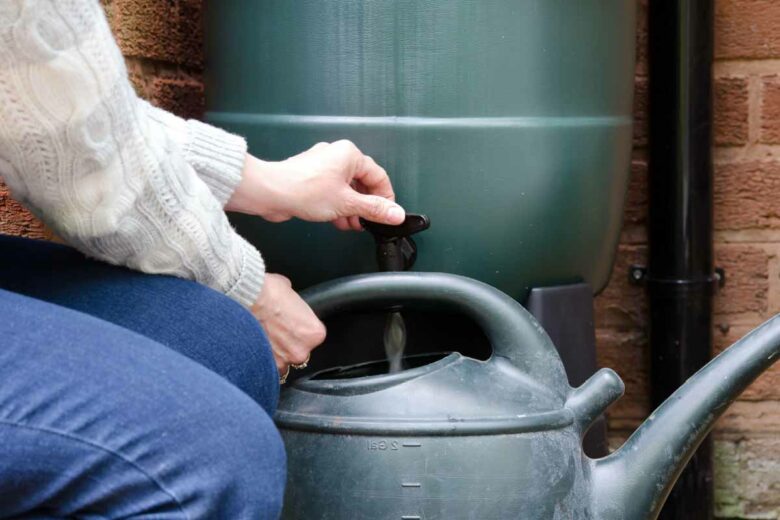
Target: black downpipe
x: 680, y: 277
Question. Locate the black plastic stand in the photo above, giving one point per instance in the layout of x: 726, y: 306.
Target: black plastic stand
x: 566, y: 313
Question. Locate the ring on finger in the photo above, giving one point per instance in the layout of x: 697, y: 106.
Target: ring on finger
x: 303, y: 365
x: 283, y: 379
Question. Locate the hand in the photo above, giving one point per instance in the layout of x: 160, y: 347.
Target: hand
x: 292, y: 327
x: 330, y: 182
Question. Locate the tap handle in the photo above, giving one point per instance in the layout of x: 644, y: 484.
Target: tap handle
x: 413, y: 223
x: 395, y: 249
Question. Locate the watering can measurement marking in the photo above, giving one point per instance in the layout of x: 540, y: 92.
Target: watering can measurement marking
x: 385, y: 445
x: 381, y: 445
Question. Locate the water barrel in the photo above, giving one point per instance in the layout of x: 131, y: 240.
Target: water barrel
x: 508, y: 122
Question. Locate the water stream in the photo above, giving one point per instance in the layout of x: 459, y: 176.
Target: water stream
x: 395, y: 341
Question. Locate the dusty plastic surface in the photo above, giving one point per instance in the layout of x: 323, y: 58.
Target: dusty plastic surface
x: 456, y: 438
x: 508, y: 122
x: 451, y: 438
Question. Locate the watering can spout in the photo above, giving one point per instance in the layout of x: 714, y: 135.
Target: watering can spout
x: 635, y: 481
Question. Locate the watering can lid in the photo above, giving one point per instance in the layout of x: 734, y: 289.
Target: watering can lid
x: 445, y: 394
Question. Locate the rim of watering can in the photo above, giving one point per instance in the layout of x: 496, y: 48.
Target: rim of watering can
x: 315, y: 383
x: 400, y: 426
x: 543, y: 421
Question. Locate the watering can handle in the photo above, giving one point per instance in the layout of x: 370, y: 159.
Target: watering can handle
x: 513, y: 333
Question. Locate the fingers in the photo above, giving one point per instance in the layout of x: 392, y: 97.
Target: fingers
x: 347, y: 224
x: 367, y: 192
x: 354, y: 224
x: 291, y: 326
x: 342, y: 224
x: 374, y: 179
x: 370, y: 178
x: 375, y: 209
x: 295, y: 348
x: 318, y: 146
x: 299, y: 348
x: 376, y: 196
x: 281, y: 365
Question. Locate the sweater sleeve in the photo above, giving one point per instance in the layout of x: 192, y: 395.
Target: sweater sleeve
x: 78, y: 149
x: 216, y: 155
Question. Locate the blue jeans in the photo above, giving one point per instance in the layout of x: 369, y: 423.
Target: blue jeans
x: 129, y: 395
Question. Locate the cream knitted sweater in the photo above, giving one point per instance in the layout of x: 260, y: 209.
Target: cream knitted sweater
x: 115, y: 177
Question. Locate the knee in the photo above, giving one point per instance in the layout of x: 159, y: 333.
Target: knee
x: 240, y: 350
x: 259, y: 377
x: 220, y: 334
x: 250, y: 467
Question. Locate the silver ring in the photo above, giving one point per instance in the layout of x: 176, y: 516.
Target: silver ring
x: 303, y: 365
x: 283, y: 379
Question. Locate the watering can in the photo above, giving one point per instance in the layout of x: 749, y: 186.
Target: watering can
x: 452, y: 437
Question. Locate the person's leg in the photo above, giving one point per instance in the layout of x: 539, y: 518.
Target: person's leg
x: 194, y: 320
x: 98, y: 421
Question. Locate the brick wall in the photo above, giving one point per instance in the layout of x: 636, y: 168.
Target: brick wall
x: 161, y: 40
x: 747, y: 246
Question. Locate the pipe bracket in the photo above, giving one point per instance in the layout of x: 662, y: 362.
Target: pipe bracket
x: 639, y: 275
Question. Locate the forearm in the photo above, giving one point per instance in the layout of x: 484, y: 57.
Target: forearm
x: 218, y: 157
x: 240, y: 181
x: 78, y: 151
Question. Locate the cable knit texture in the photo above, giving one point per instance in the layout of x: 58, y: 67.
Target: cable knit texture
x: 116, y: 178
x: 217, y: 156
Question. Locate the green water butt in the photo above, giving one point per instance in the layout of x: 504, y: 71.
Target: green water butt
x: 508, y: 122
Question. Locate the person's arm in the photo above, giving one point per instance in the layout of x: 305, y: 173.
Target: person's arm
x: 314, y: 185
x: 217, y: 156
x: 77, y: 150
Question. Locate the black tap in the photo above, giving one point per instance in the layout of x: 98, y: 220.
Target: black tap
x: 395, y: 249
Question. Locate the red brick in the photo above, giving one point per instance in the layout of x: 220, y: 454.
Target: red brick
x: 770, y: 109
x: 183, y: 97
x: 641, y: 38
x: 750, y: 417
x: 640, y: 112
x: 730, y: 111
x: 767, y: 386
x: 165, y: 30
x: 621, y: 305
x: 747, y: 279
x: 747, y: 195
x: 140, y: 73
x: 626, y: 354
x: 747, y: 29
x: 16, y: 220
x: 108, y: 8
x: 635, y: 213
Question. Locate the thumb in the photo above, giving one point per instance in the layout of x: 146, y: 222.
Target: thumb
x: 377, y: 209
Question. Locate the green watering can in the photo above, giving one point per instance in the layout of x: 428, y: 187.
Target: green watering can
x: 452, y: 437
